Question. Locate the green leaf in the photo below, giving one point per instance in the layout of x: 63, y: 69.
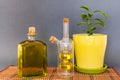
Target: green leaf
x: 82, y: 23
x: 98, y: 19
x: 83, y: 15
x: 90, y: 15
x: 85, y: 7
x: 100, y: 22
x: 92, y: 28
x: 102, y: 12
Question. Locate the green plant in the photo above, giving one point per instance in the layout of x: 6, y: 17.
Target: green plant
x: 90, y: 20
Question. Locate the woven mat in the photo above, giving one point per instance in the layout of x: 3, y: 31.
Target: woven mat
x: 10, y: 73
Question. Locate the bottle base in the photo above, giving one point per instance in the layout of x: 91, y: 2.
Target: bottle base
x: 66, y: 74
x: 32, y: 75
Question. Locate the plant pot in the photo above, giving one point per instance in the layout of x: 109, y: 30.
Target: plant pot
x: 90, y: 50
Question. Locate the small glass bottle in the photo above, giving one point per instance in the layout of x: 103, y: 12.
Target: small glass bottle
x: 32, y: 56
x: 65, y: 51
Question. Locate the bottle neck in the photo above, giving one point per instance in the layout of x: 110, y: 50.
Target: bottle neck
x: 66, y: 30
x: 31, y: 37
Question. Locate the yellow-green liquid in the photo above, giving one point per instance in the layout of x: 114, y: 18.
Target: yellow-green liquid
x: 32, y: 58
x: 65, y: 63
x: 65, y: 56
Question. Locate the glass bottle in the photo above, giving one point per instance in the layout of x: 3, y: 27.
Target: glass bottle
x: 65, y: 51
x: 32, y: 56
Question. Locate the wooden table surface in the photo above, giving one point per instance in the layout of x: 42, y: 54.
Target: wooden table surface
x: 10, y: 73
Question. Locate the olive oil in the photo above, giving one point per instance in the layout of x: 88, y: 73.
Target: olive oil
x: 32, y: 56
x: 65, y: 55
x: 65, y: 65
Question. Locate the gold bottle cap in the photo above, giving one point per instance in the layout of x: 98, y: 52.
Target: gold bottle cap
x: 66, y: 20
x: 31, y: 30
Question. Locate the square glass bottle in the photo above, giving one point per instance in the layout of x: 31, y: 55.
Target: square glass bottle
x: 32, y: 56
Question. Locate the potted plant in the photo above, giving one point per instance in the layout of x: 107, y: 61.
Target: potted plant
x: 90, y: 47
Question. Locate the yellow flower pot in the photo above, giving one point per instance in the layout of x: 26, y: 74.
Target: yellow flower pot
x: 90, y: 50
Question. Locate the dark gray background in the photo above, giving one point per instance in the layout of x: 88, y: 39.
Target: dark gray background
x: 47, y: 15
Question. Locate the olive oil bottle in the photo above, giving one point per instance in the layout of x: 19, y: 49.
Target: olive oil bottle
x: 32, y: 56
x: 65, y: 51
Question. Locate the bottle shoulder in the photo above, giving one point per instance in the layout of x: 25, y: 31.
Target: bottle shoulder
x: 41, y: 42
x: 32, y: 42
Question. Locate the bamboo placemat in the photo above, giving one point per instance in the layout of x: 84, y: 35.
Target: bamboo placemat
x: 10, y: 73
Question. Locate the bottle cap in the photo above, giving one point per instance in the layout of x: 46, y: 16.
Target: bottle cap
x: 66, y: 20
x: 31, y: 30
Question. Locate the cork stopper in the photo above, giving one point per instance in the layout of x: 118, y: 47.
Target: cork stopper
x: 66, y: 20
x: 31, y: 31
x: 52, y: 39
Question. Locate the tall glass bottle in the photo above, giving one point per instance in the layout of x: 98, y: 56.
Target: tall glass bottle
x: 65, y: 51
x: 32, y: 56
